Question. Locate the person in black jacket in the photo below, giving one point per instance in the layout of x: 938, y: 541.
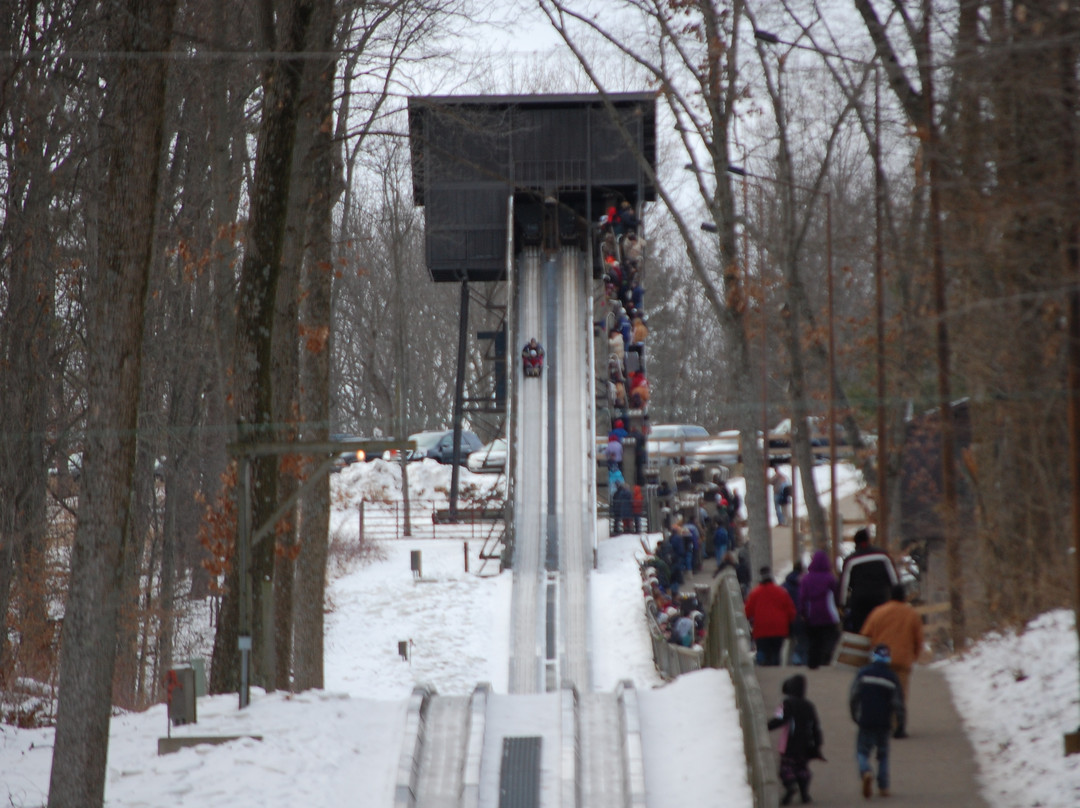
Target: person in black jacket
x: 875, y: 699
x: 622, y: 509
x: 866, y: 581
x: 802, y: 740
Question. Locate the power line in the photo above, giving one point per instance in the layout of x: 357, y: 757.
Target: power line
x: 176, y: 56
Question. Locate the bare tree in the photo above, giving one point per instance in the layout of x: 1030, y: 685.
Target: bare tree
x: 132, y: 128
x: 302, y: 621
x: 800, y: 205
x: 689, y: 52
x: 252, y: 358
x: 31, y: 140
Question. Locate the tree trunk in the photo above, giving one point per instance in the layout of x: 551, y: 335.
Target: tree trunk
x: 252, y: 352
x: 132, y: 120
x: 324, y: 163
x: 286, y: 370
x: 25, y: 348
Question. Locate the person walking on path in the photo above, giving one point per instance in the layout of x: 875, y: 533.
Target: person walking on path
x: 721, y: 541
x: 781, y: 487
x: 865, y: 581
x: 771, y: 612
x: 818, y: 592
x: 800, y: 739
x: 798, y: 645
x: 897, y: 625
x: 874, y: 701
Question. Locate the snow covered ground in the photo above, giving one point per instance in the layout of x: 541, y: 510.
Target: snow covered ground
x: 1018, y: 694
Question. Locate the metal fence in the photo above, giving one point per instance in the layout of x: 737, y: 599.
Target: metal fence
x: 727, y: 645
x: 671, y: 660
x: 428, y: 519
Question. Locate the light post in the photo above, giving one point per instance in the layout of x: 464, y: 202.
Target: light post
x: 833, y: 537
x: 834, y: 515
x: 879, y: 316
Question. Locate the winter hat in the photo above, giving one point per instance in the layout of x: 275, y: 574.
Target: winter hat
x: 794, y: 686
x: 880, y: 654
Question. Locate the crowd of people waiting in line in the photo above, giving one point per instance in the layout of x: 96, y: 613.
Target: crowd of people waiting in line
x: 678, y: 616
x: 810, y: 609
x: 707, y: 530
x: 624, y: 326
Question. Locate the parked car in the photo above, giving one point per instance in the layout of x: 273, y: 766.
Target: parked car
x: 439, y: 445
x: 348, y: 458
x: 723, y: 449
x: 780, y: 440
x: 489, y: 457
x: 673, y: 443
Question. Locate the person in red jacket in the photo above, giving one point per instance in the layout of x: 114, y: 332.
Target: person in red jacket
x: 771, y: 611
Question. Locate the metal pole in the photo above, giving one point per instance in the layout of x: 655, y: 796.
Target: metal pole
x: 764, y: 374
x: 1074, y: 409
x: 794, y: 502
x: 400, y: 384
x: 1072, y: 270
x: 834, y: 532
x: 243, y: 575
x: 879, y: 308
x: 459, y: 396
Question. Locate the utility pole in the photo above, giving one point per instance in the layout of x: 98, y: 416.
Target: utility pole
x: 1071, y: 187
x: 937, y: 256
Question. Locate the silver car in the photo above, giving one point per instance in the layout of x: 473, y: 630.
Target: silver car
x: 674, y: 443
x: 492, y: 457
x: 723, y: 449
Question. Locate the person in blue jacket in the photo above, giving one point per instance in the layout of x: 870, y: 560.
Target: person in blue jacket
x: 875, y: 700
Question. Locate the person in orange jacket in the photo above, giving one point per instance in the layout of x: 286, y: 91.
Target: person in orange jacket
x: 638, y: 503
x: 896, y: 624
x: 771, y: 611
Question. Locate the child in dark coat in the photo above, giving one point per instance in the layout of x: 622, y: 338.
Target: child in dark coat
x: 801, y: 740
x: 876, y: 699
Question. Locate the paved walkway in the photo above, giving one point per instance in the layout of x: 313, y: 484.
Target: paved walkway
x: 934, y: 766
